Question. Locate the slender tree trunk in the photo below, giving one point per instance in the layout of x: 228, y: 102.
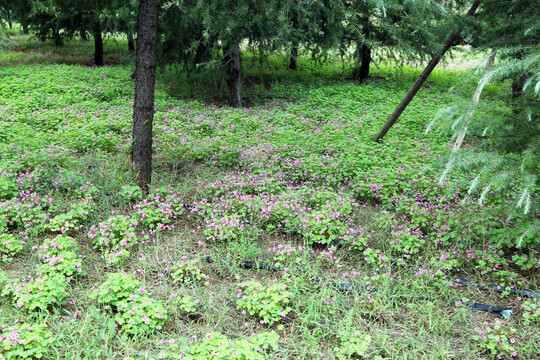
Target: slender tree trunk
x: 98, y: 44
x: 475, y: 99
x: 422, y: 78
x: 143, y: 112
x: 234, y: 72
x: 82, y: 34
x: 9, y: 19
x: 364, y: 56
x: 294, y: 55
x: 57, y: 38
x: 294, y: 44
x: 131, y: 42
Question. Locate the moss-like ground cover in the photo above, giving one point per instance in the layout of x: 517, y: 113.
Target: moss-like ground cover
x: 91, y: 270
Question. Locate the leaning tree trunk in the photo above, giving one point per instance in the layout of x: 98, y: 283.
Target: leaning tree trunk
x: 475, y: 99
x: 98, y: 44
x: 422, y: 78
x: 234, y: 72
x: 143, y: 112
x: 131, y: 42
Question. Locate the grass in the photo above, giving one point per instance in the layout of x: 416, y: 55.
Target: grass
x: 279, y: 182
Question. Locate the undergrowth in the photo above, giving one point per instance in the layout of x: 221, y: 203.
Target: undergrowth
x: 91, y: 269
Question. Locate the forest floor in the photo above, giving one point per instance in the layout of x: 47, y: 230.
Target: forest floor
x: 92, y: 270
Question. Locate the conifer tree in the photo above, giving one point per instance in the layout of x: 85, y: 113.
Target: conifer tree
x: 507, y: 156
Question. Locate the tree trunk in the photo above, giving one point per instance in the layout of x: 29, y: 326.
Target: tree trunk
x: 475, y: 99
x: 82, y: 34
x: 366, y: 61
x: 9, y: 19
x: 98, y: 44
x: 361, y: 73
x: 294, y: 55
x: 422, y: 78
x: 25, y: 29
x: 143, y: 112
x: 57, y: 38
x: 131, y: 42
x: 234, y: 72
x: 294, y: 44
x: 364, y: 56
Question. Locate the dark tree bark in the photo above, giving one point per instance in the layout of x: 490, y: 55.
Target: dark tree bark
x: 82, y: 34
x: 422, y: 78
x: 98, y: 44
x: 234, y: 71
x: 25, y: 28
x: 294, y: 45
x: 364, y: 55
x: 294, y: 55
x: 143, y: 112
x: 131, y: 42
x: 9, y: 19
x: 366, y: 62
x: 57, y: 38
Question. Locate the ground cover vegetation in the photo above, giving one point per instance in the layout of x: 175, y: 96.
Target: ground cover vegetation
x: 288, y: 178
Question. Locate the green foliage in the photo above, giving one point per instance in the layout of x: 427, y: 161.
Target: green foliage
x: 497, y: 339
x: 269, y: 303
x: 71, y: 220
x: 300, y: 155
x: 321, y: 229
x: 59, y: 264
x: 141, y: 315
x: 504, y: 161
x: 25, y: 341
x: 136, y: 312
x: 8, y: 188
x: 10, y: 245
x: 114, y: 237
x: 186, y: 304
x: 216, y: 346
x: 187, y: 271
x: 531, y: 311
x: 159, y: 211
x: 117, y: 288
x: 353, y: 345
x: 131, y: 193
x: 41, y: 293
x: 5, y: 284
x: 28, y: 213
x: 59, y: 256
x: 228, y: 227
